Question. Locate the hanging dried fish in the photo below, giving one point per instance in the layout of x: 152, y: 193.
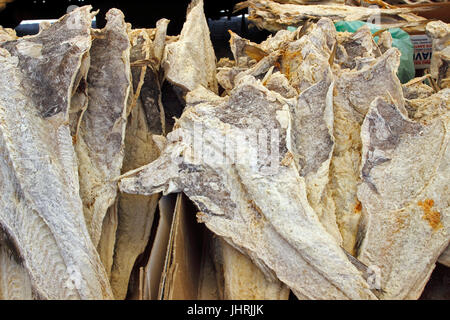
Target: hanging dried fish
x: 241, y: 201
x: 249, y: 282
x: 147, y: 79
x: 274, y: 16
x: 312, y: 145
x: 15, y: 283
x: 107, y: 241
x: 414, y: 92
x: 354, y: 91
x: 191, y: 61
x: 41, y: 210
x: 278, y: 82
x: 303, y: 62
x: 426, y: 109
x: 7, y: 34
x: 244, y: 281
x: 136, y: 212
x: 440, y: 70
x: 416, y: 89
x: 385, y: 41
x: 317, y: 171
x: 356, y: 50
x: 306, y: 61
x: 101, y: 137
x: 405, y: 173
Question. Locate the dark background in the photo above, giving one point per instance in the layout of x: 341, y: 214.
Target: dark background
x: 141, y: 14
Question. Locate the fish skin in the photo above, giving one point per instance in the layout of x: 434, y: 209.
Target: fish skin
x: 312, y: 144
x: 355, y: 50
x: 100, y: 143
x: 242, y: 205
x: 275, y: 16
x: 244, y: 281
x: 190, y: 61
x: 306, y: 60
x: 354, y: 92
x: 405, y: 176
x: 429, y: 108
x: 15, y: 284
x: 439, y: 32
x: 41, y: 210
x: 136, y: 212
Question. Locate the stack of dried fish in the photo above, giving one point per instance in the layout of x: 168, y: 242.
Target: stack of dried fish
x: 317, y: 171
x: 278, y: 15
x: 414, y: 2
x: 311, y: 166
x: 73, y: 117
x: 41, y: 210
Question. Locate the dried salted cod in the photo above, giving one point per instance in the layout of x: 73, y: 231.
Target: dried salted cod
x: 416, y: 89
x: 79, y: 100
x: 225, y: 77
x: 244, y: 51
x: 107, y: 241
x: 312, y: 144
x: 41, y: 209
x: 311, y: 2
x: 405, y: 173
x: 439, y: 68
x: 280, y: 52
x: 414, y: 92
x: 244, y: 281
x: 356, y: 50
x: 102, y: 130
x: 277, y: 41
x: 279, y: 83
x: 136, y: 212
x: 385, y: 41
x: 354, y: 91
x: 191, y: 61
x: 275, y: 16
x: 429, y: 108
x: 257, y: 203
x: 160, y: 40
x: 247, y: 53
x: 7, y: 34
x: 228, y: 77
x: 259, y: 60
x: 225, y: 63
x: 249, y: 282
x: 305, y: 61
x: 15, y: 283
x: 147, y: 78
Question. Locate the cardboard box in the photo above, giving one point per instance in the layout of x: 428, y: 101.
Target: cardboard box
x: 422, y: 43
x: 182, y: 270
x: 423, y: 51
